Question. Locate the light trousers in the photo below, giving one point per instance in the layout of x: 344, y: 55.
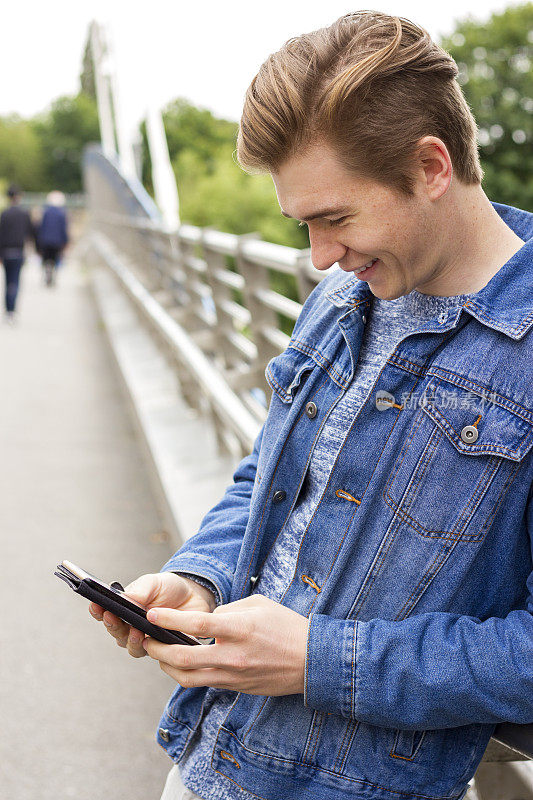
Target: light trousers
x: 175, y: 789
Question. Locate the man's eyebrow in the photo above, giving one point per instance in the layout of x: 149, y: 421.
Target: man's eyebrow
x: 325, y: 212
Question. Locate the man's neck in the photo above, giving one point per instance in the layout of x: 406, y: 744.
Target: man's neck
x: 474, y: 247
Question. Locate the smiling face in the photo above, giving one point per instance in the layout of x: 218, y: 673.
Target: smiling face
x: 353, y: 221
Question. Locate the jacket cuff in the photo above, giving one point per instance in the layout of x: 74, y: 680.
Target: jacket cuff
x: 330, y: 666
x: 204, y: 568
x: 203, y: 582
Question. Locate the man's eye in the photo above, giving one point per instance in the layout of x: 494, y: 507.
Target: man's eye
x: 334, y: 222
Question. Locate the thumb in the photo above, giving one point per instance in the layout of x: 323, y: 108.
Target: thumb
x: 159, y: 589
x: 144, y: 589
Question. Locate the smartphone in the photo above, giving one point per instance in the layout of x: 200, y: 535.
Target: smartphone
x: 113, y: 598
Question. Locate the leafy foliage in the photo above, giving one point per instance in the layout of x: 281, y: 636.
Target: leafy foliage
x: 496, y: 63
x: 214, y: 191
x: 70, y: 124
x: 45, y: 152
x: 21, y: 153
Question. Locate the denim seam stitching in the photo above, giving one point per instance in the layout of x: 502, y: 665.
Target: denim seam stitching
x: 322, y: 362
x: 306, y: 666
x: 400, y: 459
x: 465, y: 383
x: 499, y: 499
x: 412, y: 489
x: 447, y: 547
x: 310, y: 735
x: 261, y: 521
x: 518, y: 328
x: 386, y: 544
x: 317, y: 434
x: 400, y: 361
x: 354, y: 664
x: 319, y: 721
x: 327, y: 485
x: 487, y: 474
x: 355, y: 728
x: 276, y: 386
x: 436, y: 565
x: 340, y: 751
x: 247, y: 731
x: 413, y: 755
x: 259, y: 796
x: 329, y: 772
x: 488, y: 448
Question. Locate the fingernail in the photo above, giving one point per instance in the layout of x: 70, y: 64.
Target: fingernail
x: 107, y: 624
x: 152, y: 615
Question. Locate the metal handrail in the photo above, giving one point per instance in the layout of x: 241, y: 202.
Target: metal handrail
x: 226, y: 404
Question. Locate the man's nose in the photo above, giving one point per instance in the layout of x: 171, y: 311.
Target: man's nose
x: 325, y: 251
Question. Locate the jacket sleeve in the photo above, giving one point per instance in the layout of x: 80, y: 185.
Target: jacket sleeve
x: 434, y: 670
x: 213, y: 552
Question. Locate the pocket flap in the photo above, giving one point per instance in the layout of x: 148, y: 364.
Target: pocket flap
x: 287, y: 371
x: 500, y: 430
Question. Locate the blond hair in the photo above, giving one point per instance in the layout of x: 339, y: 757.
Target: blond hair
x: 371, y: 86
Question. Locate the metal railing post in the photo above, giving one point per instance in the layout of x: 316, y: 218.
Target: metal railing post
x: 262, y: 318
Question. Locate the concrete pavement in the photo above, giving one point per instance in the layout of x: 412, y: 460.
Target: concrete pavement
x: 78, y: 714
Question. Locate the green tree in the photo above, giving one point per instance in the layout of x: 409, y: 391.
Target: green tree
x: 21, y: 154
x: 214, y: 191
x: 192, y: 130
x: 228, y: 199
x: 495, y: 62
x: 64, y: 130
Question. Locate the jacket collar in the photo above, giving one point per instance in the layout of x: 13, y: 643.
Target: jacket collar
x: 504, y: 304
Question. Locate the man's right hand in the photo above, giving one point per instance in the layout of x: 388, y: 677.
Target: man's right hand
x: 163, y: 589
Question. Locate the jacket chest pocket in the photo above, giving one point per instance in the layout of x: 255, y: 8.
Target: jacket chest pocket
x: 457, y: 463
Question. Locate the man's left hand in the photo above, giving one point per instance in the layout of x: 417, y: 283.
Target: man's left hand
x: 259, y: 647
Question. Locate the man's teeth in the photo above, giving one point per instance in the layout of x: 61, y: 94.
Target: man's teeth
x: 357, y: 271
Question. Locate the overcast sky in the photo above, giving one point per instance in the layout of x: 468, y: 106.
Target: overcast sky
x: 205, y: 51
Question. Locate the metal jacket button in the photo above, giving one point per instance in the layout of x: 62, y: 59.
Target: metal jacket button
x: 469, y: 434
x: 279, y: 496
x: 164, y: 734
x: 311, y: 410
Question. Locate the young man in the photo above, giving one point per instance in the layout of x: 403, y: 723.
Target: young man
x: 368, y: 576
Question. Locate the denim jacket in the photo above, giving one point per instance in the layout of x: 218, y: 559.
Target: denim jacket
x: 420, y: 551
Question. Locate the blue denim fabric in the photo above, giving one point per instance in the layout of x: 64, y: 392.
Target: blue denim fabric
x: 421, y: 626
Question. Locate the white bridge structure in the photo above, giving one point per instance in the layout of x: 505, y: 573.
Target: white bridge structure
x: 193, y: 320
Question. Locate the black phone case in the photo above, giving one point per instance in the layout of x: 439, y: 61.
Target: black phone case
x: 96, y: 593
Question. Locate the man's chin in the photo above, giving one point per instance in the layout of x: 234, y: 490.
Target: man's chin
x: 386, y: 292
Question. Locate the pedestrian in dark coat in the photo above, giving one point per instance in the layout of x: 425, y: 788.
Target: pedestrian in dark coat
x: 16, y: 228
x: 52, y: 235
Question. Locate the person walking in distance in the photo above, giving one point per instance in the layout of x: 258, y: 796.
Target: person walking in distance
x: 16, y: 228
x: 52, y: 235
x: 368, y: 575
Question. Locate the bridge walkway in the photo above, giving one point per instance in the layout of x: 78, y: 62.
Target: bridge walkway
x: 78, y: 715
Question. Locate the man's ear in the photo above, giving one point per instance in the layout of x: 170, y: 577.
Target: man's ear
x: 435, y: 165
